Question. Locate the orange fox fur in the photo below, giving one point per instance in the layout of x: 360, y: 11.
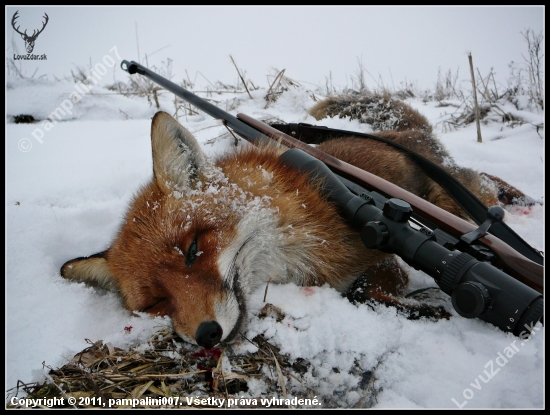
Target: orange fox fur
x: 201, y: 235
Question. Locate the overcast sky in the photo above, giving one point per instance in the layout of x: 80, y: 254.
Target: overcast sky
x: 394, y: 43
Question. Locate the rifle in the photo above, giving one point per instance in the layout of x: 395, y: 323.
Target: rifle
x: 506, y: 292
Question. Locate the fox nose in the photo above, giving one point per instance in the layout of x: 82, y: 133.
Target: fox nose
x: 208, y: 334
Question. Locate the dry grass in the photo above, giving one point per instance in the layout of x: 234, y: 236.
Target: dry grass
x: 170, y: 368
x: 377, y: 109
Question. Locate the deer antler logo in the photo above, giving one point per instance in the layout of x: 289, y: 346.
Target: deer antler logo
x: 29, y: 40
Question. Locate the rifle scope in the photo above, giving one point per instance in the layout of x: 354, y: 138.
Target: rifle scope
x: 477, y: 288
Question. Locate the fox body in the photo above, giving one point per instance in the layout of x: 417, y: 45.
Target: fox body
x: 201, y: 235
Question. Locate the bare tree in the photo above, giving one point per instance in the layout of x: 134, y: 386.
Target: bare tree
x: 535, y: 67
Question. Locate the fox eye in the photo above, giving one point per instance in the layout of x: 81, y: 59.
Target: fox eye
x: 191, y: 254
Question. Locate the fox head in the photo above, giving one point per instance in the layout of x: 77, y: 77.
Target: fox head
x: 200, y: 236
x: 179, y: 251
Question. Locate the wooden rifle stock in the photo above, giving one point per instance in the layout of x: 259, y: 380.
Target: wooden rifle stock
x: 506, y: 258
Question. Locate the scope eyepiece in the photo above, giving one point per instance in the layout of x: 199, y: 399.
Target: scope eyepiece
x: 481, y: 290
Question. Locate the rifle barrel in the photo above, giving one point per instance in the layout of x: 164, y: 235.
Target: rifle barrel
x: 231, y: 121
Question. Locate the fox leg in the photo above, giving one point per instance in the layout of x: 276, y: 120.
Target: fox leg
x: 384, y: 283
x: 508, y: 194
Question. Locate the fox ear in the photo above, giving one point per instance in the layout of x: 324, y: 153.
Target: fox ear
x: 92, y: 270
x: 177, y: 157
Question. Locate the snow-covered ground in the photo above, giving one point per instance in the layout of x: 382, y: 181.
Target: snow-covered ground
x: 67, y: 187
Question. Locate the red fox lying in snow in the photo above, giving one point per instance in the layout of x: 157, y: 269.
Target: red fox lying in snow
x: 202, y: 235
